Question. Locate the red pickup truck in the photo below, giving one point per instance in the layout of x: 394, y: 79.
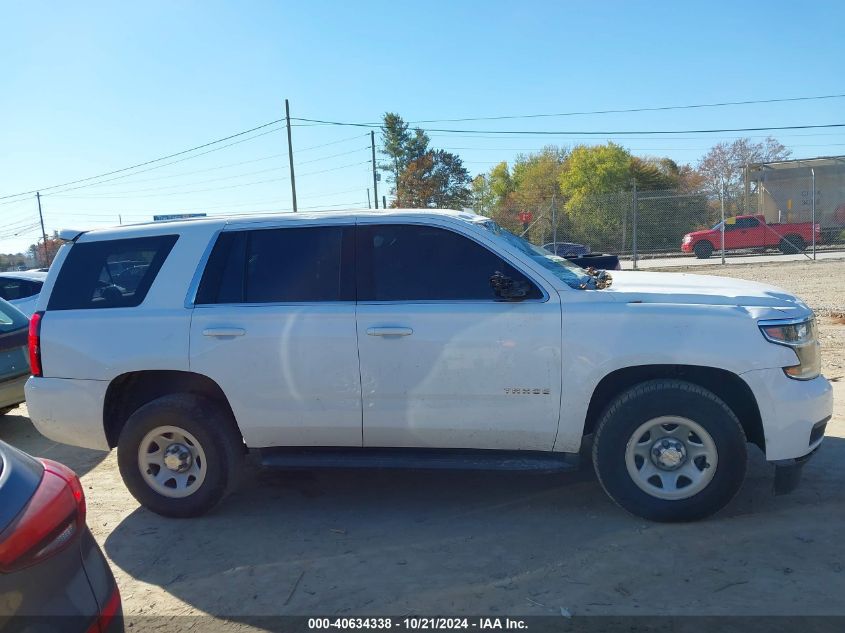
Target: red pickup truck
x: 751, y: 232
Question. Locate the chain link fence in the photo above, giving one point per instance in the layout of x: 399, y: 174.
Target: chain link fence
x: 648, y: 225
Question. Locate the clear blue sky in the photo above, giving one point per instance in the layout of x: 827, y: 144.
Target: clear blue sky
x: 90, y: 87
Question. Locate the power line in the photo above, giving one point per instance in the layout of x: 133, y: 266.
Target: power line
x: 630, y: 110
x: 198, y: 171
x: 323, y: 171
x: 595, y: 133
x: 148, y: 162
x: 316, y: 160
x: 20, y: 231
x: 108, y: 194
x: 215, y: 149
x: 158, y: 209
x: 184, y: 193
x: 674, y: 138
x: 633, y: 149
x: 184, y: 173
x: 343, y: 140
x: 126, y: 194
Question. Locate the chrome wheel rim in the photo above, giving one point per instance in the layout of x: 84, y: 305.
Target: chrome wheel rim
x: 172, y: 462
x: 671, y: 457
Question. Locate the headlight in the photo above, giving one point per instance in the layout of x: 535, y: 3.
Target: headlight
x: 687, y: 239
x: 801, y: 336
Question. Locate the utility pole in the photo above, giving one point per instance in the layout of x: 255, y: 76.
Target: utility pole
x: 43, y: 232
x: 813, y: 174
x: 375, y: 175
x: 383, y: 202
x: 635, y: 203
x: 554, y: 225
x: 120, y: 219
x: 290, y: 157
x: 722, y: 204
x: 369, y: 206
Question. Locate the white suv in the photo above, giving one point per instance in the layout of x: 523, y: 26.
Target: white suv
x: 423, y: 339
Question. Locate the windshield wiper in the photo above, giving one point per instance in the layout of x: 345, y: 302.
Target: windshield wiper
x: 600, y: 279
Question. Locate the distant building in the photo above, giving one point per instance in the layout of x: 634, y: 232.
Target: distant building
x: 783, y: 191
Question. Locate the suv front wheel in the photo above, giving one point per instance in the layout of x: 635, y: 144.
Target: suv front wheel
x: 179, y: 455
x: 670, y: 450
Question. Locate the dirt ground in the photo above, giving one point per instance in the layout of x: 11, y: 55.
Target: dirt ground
x: 470, y: 543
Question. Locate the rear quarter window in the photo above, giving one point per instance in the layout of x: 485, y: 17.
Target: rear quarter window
x: 12, y: 288
x: 110, y: 273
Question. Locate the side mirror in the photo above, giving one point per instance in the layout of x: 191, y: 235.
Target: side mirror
x: 506, y: 289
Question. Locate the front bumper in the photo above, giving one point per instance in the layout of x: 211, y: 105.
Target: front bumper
x: 791, y: 412
x: 686, y: 247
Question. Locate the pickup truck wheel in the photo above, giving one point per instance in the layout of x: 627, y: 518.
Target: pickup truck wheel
x: 179, y: 455
x: 792, y: 244
x: 669, y: 450
x: 703, y: 250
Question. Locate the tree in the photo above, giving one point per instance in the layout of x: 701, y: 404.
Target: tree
x: 45, y: 255
x: 483, y: 197
x: 501, y: 183
x: 655, y: 173
x: 437, y: 179
x: 15, y: 261
x: 536, y: 188
x: 595, y: 169
x: 395, y: 137
x: 400, y: 146
x: 722, y: 168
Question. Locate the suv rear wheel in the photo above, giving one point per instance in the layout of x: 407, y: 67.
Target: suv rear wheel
x: 179, y: 455
x: 669, y: 450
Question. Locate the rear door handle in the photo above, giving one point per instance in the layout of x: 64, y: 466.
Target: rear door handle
x: 389, y: 331
x: 223, y: 331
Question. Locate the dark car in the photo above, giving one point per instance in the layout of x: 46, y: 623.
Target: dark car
x: 53, y: 576
x: 14, y: 360
x: 580, y: 255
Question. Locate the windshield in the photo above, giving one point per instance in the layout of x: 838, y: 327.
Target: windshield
x: 572, y: 275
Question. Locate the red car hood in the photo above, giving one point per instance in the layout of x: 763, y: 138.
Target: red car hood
x: 702, y: 233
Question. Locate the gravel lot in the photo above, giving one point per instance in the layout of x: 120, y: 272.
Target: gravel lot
x: 469, y: 543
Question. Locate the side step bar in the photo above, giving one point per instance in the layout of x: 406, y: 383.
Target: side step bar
x: 417, y: 458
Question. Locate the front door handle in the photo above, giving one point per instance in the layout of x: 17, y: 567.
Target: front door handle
x: 224, y: 331
x: 389, y: 331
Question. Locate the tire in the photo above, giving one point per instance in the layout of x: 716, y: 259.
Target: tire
x: 201, y: 435
x: 714, y: 452
x: 792, y: 244
x: 703, y: 250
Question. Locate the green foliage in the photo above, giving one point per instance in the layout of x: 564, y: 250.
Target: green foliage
x: 483, y: 198
x: 595, y: 169
x: 655, y: 173
x: 500, y: 181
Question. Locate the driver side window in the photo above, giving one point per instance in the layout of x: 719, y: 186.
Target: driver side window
x: 409, y: 262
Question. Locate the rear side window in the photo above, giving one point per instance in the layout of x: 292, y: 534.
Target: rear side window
x: 287, y: 265
x: 110, y: 274
x: 12, y: 289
